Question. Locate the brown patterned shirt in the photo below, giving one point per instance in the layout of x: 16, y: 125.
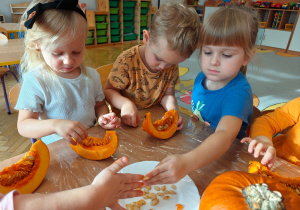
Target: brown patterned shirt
x: 144, y: 88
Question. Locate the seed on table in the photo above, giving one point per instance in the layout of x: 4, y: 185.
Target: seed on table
x: 166, y: 197
x: 174, y: 186
x: 157, y: 188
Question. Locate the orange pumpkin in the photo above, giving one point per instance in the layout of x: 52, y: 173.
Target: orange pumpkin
x: 96, y: 148
x: 292, y: 183
x: 163, y: 128
x: 27, y: 174
x: 225, y: 191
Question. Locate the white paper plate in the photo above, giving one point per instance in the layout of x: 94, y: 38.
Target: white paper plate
x: 187, y: 192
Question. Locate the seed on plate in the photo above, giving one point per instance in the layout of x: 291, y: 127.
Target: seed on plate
x: 166, y: 191
x: 154, y: 202
x: 152, y: 196
x: 149, y: 187
x: 157, y: 188
x: 172, y: 192
x: 163, y: 188
x: 146, y: 196
x: 160, y: 193
x: 174, y: 186
x: 166, y: 197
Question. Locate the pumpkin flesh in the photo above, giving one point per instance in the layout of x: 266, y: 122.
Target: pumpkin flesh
x: 163, y: 128
x: 28, y: 173
x: 225, y: 191
x: 94, y: 148
x: 292, y: 183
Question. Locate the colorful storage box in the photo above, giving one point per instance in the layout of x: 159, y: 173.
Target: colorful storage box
x: 115, y: 38
x: 114, y: 11
x: 128, y: 17
x: 90, y: 34
x: 127, y: 37
x: 128, y: 30
x: 144, y: 23
x: 115, y: 31
x: 128, y: 10
x: 100, y: 18
x: 129, y: 3
x: 113, y: 3
x: 102, y: 39
x: 89, y: 40
x: 289, y: 26
x: 115, y: 24
x: 144, y: 17
x: 128, y: 24
x: 101, y: 25
x: 101, y: 32
x: 145, y: 3
x: 114, y: 17
x: 262, y: 24
x: 144, y: 11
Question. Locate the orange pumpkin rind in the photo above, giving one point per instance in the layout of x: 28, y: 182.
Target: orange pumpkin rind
x: 102, y: 149
x: 225, y: 191
x: 169, y: 120
x: 28, y: 173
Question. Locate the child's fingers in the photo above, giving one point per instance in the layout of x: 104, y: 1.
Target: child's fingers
x: 246, y: 139
x: 118, y: 165
x: 252, y: 145
x: 131, y: 194
x: 258, y: 149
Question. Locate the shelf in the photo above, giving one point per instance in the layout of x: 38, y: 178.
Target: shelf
x: 199, y: 5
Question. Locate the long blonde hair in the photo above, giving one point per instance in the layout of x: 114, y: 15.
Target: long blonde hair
x: 232, y: 25
x: 52, y: 28
x: 179, y: 25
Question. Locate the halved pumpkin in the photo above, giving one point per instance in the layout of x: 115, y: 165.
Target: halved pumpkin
x: 94, y: 148
x: 292, y: 183
x: 28, y: 173
x: 163, y: 128
x: 230, y: 189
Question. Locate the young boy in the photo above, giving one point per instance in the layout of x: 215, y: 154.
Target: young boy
x: 146, y: 75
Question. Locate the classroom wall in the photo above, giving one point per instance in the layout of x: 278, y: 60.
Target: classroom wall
x: 91, y: 5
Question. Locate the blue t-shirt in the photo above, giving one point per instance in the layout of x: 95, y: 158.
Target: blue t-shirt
x: 235, y: 99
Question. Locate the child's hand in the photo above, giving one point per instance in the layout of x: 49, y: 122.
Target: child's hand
x: 129, y: 114
x: 117, y: 185
x: 68, y: 129
x: 262, y: 145
x: 179, y: 122
x: 109, y: 121
x: 169, y: 170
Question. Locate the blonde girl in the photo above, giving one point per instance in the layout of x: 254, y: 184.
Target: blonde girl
x: 60, y: 97
x: 221, y: 96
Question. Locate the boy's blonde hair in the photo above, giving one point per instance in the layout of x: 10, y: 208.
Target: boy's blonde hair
x: 51, y: 29
x: 232, y: 25
x: 179, y: 25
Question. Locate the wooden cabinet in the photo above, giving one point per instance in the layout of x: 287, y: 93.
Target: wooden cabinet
x: 198, y: 5
x: 294, y: 46
x: 124, y: 21
x: 275, y: 38
x: 17, y: 11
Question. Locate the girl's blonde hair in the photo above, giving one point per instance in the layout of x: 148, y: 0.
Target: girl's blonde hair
x: 52, y: 28
x: 179, y: 25
x: 233, y: 25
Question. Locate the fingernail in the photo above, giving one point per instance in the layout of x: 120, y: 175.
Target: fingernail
x: 124, y: 160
